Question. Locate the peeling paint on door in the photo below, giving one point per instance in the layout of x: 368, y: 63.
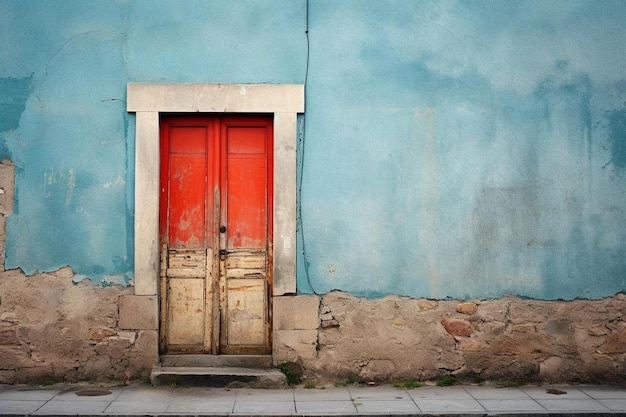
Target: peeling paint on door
x: 215, y: 219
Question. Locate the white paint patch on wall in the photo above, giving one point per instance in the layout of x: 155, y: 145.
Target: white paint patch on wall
x: 71, y: 184
x: 118, y: 181
x: 58, y: 182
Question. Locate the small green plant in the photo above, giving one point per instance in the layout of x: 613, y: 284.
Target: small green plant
x: 293, y: 372
x: 47, y: 381
x: 309, y: 385
x: 446, y: 381
x: 174, y: 381
x: 349, y: 380
x: 408, y: 383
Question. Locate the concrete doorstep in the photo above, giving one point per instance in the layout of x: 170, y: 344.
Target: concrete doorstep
x: 232, y: 377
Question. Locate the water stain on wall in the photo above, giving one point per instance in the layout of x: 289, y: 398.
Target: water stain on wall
x: 617, y: 137
x: 505, y: 231
x: 15, y: 92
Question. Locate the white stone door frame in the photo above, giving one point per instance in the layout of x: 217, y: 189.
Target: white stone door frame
x: 284, y: 101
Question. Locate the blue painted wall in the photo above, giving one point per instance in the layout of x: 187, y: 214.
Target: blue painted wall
x: 465, y: 149
x: 449, y: 148
x: 64, y: 66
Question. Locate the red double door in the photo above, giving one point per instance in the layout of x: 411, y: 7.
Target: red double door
x: 216, y: 234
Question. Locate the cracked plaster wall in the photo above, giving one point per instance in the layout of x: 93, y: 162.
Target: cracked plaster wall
x: 451, y: 149
x: 55, y: 330
x: 64, y: 121
x: 339, y: 336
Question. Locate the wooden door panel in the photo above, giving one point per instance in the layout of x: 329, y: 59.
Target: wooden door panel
x: 247, y: 306
x: 247, y: 184
x: 187, y: 186
x: 247, y: 140
x: 185, y: 312
x: 187, y: 216
x: 247, y: 202
x: 186, y: 258
x: 244, y: 265
x: 246, y: 274
x: 186, y: 219
x: 246, y: 260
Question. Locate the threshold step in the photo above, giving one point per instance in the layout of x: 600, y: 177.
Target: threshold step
x: 218, y: 361
x: 233, y: 377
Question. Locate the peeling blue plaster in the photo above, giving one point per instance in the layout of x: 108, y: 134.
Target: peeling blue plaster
x: 70, y: 145
x: 14, y: 94
x: 453, y: 149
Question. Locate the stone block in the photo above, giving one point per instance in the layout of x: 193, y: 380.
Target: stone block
x: 424, y: 304
x: 615, y: 343
x: 9, y: 317
x: 138, y: 312
x: 469, y: 345
x: 550, y: 368
x: 493, y: 328
x: 8, y: 337
x: 468, y: 308
x: 7, y: 187
x: 299, y: 312
x: 100, y: 333
x: 457, y: 327
x: 559, y: 326
x: 145, y: 351
x: 15, y: 357
x: 294, y: 345
x: 130, y: 336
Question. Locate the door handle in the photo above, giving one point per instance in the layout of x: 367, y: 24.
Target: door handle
x: 222, y: 229
x: 223, y: 253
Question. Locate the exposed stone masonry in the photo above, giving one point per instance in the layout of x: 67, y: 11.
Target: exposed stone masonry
x: 52, y: 329
x: 508, y: 339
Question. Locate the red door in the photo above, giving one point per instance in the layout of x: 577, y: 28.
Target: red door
x: 215, y: 230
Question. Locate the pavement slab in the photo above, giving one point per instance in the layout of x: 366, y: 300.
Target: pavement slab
x: 25, y: 407
x: 449, y: 406
x: 456, y: 401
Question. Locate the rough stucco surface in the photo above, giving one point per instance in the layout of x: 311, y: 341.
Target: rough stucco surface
x: 510, y: 339
x: 63, y: 118
x: 462, y: 149
x: 52, y: 329
x: 449, y: 149
x: 465, y: 149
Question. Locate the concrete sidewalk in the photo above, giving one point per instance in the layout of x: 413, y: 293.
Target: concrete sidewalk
x: 142, y: 399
